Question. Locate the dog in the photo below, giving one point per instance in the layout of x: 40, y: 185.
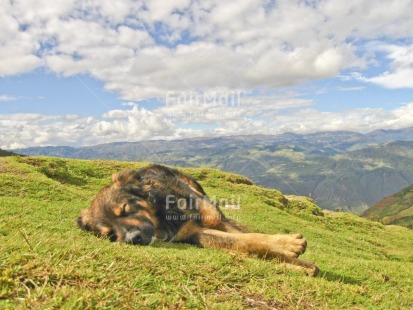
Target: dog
x: 159, y: 202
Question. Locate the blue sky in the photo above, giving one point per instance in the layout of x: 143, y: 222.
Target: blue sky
x: 82, y: 73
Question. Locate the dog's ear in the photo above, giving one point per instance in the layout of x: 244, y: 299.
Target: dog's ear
x: 121, y: 178
x: 83, y: 220
x: 136, y: 190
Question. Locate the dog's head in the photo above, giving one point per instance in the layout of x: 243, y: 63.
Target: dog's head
x: 119, y: 213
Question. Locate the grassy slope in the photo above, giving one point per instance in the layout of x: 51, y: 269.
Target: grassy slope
x: 395, y: 209
x: 46, y: 262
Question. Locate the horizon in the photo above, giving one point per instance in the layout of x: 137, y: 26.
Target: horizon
x: 75, y: 74
x: 214, y: 137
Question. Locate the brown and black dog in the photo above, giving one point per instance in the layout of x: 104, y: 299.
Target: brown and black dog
x: 158, y: 202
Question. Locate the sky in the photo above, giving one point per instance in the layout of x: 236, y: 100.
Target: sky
x: 86, y: 72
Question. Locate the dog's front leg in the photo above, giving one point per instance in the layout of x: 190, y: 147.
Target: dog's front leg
x: 285, y: 248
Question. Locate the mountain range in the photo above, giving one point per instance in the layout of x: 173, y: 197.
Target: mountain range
x: 339, y: 170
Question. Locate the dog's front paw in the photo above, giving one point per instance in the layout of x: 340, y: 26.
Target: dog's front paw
x: 289, y: 246
x: 312, y: 271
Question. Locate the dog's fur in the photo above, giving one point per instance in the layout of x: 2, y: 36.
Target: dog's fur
x: 162, y: 203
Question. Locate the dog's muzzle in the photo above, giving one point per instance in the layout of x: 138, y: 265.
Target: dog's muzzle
x: 143, y: 236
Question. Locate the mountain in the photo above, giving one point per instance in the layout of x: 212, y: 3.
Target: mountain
x: 320, y: 143
x: 339, y: 170
x: 46, y: 262
x: 395, y: 209
x: 383, y: 135
x: 4, y: 153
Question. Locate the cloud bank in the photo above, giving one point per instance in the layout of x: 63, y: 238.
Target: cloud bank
x: 144, y: 49
x: 137, y: 123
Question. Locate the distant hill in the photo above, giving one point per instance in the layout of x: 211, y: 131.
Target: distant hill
x: 396, y: 209
x: 383, y: 135
x: 4, y: 153
x: 338, y: 170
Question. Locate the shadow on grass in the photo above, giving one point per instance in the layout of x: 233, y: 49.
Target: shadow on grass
x: 55, y: 169
x: 327, y: 275
x: 173, y: 245
x: 333, y: 277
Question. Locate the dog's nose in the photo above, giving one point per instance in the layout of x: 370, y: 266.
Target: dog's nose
x: 134, y: 237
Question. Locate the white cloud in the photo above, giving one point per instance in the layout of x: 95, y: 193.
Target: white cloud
x: 7, y: 98
x: 37, y: 129
x: 350, y: 88
x: 401, y: 72
x: 309, y: 120
x: 135, y: 124
x: 224, y: 106
x: 159, y: 10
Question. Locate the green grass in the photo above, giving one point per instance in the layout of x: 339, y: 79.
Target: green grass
x: 46, y: 262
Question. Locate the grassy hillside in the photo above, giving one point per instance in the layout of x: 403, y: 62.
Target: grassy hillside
x: 395, y: 209
x: 47, y: 262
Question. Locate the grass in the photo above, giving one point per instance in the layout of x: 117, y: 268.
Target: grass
x: 46, y: 262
